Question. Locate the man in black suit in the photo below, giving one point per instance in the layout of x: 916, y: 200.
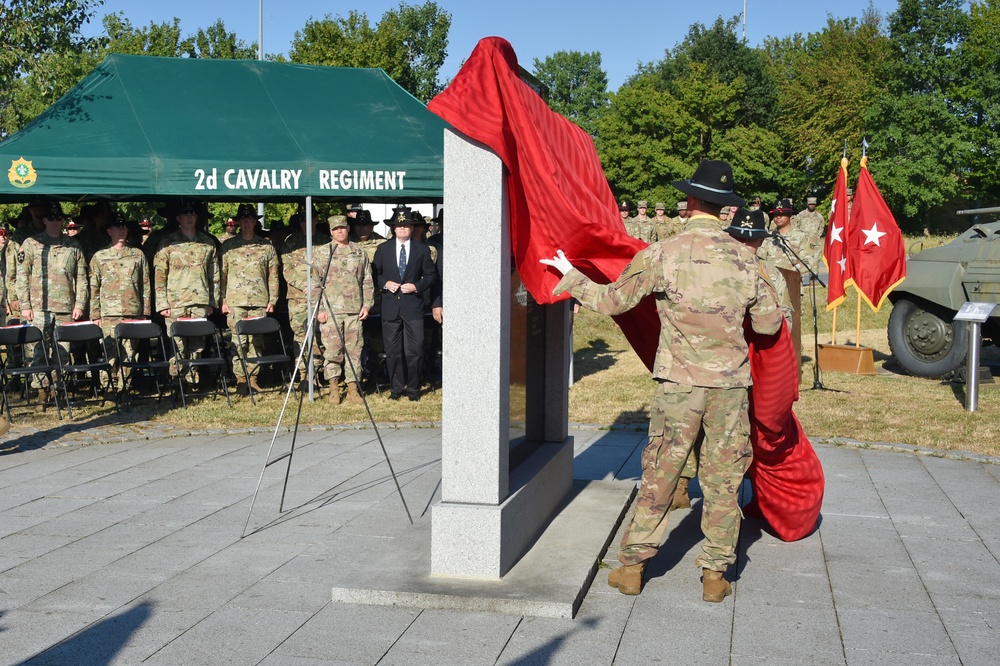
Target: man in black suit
x: 403, y: 272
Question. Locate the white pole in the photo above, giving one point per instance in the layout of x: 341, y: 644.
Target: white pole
x: 744, y: 20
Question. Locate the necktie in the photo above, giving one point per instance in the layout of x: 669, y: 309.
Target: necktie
x: 402, y: 260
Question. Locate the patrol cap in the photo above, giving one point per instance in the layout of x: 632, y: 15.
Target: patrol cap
x: 810, y: 201
x: 850, y: 191
x: 712, y: 182
x: 747, y: 224
x: 246, y: 210
x: 623, y: 205
x: 783, y: 207
x: 642, y: 204
x: 53, y: 211
x: 682, y: 205
x: 337, y: 221
x: 662, y: 206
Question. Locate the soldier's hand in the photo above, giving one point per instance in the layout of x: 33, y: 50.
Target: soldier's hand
x: 15, y: 305
x: 321, y: 317
x: 165, y: 313
x: 225, y: 309
x: 269, y: 308
x: 77, y: 314
x: 97, y: 321
x: 27, y: 315
x: 438, y: 314
x: 559, y: 262
x: 363, y: 314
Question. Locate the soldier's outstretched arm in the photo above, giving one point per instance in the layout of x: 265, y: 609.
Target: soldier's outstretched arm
x: 765, y: 312
x: 635, y: 283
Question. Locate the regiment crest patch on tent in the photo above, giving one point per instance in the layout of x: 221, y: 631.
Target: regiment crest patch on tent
x: 21, y: 173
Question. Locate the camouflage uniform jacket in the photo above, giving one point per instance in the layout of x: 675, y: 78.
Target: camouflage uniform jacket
x: 771, y: 252
x: 293, y: 266
x: 704, y: 282
x: 119, y: 283
x: 249, y: 272
x: 349, y: 283
x: 811, y: 226
x: 644, y: 230
x: 187, y: 272
x: 52, y: 274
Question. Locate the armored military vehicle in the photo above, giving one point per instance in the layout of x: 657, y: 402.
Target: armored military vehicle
x: 922, y: 336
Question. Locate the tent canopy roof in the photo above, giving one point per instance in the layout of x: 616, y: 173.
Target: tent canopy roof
x: 149, y: 128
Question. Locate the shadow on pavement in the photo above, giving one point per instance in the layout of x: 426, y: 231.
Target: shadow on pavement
x: 99, y: 643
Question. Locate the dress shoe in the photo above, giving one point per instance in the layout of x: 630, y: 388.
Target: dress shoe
x: 413, y: 397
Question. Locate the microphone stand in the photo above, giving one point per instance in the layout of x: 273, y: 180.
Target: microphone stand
x: 794, y: 258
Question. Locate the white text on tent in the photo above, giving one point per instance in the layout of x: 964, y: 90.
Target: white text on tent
x: 331, y: 179
x: 249, y: 179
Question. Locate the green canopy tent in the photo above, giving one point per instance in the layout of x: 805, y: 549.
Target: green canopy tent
x: 147, y: 128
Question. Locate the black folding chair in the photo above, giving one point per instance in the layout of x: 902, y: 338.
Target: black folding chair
x: 90, y: 336
x: 148, y: 358
x: 17, y: 343
x: 263, y: 327
x: 198, y: 328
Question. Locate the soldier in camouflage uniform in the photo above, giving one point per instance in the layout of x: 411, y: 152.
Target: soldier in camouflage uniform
x: 119, y: 287
x: 186, y: 278
x: 343, y: 273
x: 641, y: 209
x: 640, y: 226
x: 295, y: 270
x: 810, y: 223
x: 7, y: 259
x: 51, y: 286
x: 249, y: 284
x: 774, y: 252
x: 705, y: 283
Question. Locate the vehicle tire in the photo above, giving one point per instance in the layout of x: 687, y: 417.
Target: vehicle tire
x: 925, y: 342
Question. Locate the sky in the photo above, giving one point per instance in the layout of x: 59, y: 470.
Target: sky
x: 625, y: 33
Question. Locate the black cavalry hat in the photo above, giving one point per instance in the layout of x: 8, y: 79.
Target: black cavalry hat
x: 246, y: 210
x: 783, y: 207
x: 747, y: 224
x: 712, y: 182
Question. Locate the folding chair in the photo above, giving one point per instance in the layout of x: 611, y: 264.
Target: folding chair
x: 156, y: 365
x: 198, y: 328
x: 18, y: 343
x: 261, y: 326
x: 91, y: 337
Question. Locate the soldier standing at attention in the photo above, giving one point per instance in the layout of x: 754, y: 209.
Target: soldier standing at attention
x: 51, y: 286
x: 705, y: 283
x: 642, y: 207
x: 640, y: 226
x: 810, y: 224
x: 249, y: 283
x: 343, y: 271
x: 187, y: 277
x: 119, y: 287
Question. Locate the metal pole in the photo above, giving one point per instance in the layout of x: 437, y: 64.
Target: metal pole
x: 972, y: 368
x: 744, y: 20
x: 309, y: 305
x: 260, y: 56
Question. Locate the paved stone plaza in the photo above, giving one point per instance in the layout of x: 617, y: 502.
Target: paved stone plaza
x: 122, y: 546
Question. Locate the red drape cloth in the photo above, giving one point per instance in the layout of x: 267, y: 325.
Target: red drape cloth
x: 560, y: 199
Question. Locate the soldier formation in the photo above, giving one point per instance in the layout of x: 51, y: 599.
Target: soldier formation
x: 113, y: 270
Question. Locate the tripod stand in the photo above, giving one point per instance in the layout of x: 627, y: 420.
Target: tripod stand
x: 308, y: 345
x: 793, y: 258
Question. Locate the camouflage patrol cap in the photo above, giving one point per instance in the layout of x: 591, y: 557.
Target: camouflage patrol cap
x: 337, y: 221
x: 682, y: 205
x: 642, y: 204
x: 850, y: 191
x: 662, y: 206
x: 811, y: 201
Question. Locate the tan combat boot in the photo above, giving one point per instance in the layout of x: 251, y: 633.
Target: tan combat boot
x: 715, y: 588
x: 681, y: 499
x: 335, y: 393
x: 254, y: 384
x: 44, y: 396
x: 4, y: 425
x: 353, y: 395
x: 627, y: 578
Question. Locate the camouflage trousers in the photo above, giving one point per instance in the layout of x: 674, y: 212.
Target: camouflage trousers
x: 236, y: 313
x: 677, y: 416
x: 298, y: 314
x: 333, y: 350
x: 186, y: 347
x: 112, y: 351
x: 46, y: 321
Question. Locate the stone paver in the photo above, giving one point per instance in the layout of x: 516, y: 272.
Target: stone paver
x: 124, y: 546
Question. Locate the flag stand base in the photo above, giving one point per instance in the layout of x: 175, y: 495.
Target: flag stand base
x: 846, y: 358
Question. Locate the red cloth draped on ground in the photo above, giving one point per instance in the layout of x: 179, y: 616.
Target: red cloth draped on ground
x: 786, y: 474
x: 560, y: 199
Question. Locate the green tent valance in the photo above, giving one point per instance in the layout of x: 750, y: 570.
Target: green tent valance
x: 148, y: 128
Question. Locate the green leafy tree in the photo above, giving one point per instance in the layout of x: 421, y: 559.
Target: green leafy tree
x: 409, y: 44
x: 578, y: 86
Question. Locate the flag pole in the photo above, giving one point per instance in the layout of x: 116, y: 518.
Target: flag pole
x: 857, y: 339
x: 833, y: 334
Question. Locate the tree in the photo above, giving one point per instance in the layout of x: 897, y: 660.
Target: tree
x: 410, y: 44
x: 578, y: 87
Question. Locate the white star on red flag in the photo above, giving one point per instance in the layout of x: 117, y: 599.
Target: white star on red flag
x: 872, y: 235
x: 842, y: 263
x: 835, y: 233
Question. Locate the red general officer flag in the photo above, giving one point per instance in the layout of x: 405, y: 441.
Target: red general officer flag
x: 876, y: 256
x: 835, y: 248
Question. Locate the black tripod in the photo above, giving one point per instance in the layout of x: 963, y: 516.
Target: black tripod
x: 308, y: 345
x: 794, y: 258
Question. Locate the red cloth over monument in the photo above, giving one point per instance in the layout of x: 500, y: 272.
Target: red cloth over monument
x: 560, y: 199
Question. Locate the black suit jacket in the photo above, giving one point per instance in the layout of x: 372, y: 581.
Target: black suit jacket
x: 419, y: 271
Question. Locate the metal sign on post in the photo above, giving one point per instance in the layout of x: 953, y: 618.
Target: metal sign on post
x: 976, y: 314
